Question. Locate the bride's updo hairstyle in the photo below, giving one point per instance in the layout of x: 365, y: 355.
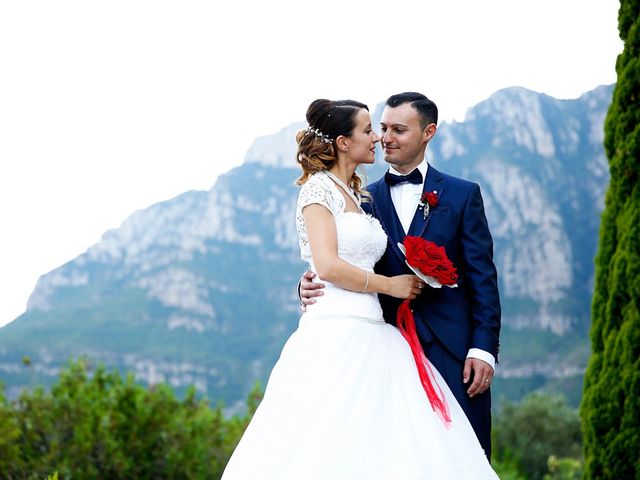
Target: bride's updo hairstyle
x: 316, y: 144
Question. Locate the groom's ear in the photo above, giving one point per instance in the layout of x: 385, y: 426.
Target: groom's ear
x: 429, y: 132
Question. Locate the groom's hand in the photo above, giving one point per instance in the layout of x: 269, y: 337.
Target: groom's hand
x: 309, y: 290
x: 482, y: 376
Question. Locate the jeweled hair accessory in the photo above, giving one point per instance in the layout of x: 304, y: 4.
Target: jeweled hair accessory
x: 319, y: 134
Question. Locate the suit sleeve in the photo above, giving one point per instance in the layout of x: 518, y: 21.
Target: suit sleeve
x: 480, y: 274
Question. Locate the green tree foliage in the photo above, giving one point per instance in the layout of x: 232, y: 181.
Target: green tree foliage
x: 564, y: 469
x: 610, y: 409
x: 9, y: 434
x: 100, y: 425
x: 527, y: 434
x: 507, y: 471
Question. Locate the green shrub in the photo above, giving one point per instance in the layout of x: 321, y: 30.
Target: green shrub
x: 100, y: 425
x: 564, y: 469
x: 527, y: 434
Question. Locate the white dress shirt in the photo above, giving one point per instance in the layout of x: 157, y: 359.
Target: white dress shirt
x: 406, y: 198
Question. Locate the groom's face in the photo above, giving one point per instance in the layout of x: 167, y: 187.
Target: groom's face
x: 403, y: 138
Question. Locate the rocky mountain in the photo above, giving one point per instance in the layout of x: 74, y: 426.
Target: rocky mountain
x: 200, y: 289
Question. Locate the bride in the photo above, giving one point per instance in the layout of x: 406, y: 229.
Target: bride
x: 345, y: 401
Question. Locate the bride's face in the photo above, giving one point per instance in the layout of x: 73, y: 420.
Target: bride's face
x: 362, y: 141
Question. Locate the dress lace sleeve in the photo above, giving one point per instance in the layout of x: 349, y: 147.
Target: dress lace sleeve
x: 316, y: 191
x: 319, y: 190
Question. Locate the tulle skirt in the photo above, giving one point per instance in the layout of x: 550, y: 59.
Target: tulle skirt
x: 345, y: 402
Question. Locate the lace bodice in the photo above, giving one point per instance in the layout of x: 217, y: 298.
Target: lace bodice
x: 361, y: 242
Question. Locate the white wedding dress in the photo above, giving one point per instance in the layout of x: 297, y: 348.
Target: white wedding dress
x: 344, y: 401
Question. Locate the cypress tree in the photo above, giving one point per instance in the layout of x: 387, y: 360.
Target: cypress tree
x: 610, y: 408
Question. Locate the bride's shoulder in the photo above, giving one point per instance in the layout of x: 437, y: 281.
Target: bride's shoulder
x: 318, y: 178
x: 319, y: 181
x: 317, y: 189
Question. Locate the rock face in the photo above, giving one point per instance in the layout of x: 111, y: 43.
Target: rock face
x: 200, y: 289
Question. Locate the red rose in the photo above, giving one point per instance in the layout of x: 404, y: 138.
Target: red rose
x: 430, y: 259
x: 430, y: 198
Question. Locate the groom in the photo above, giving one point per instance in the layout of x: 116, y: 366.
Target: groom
x: 458, y: 327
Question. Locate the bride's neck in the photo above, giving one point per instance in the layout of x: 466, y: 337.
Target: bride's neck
x: 343, y: 172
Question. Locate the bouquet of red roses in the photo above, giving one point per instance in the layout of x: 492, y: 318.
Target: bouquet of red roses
x: 429, y: 262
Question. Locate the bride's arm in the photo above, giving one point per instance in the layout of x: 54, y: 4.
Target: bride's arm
x: 323, y: 239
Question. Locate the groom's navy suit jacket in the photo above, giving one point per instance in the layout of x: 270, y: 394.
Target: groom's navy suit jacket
x: 449, y: 321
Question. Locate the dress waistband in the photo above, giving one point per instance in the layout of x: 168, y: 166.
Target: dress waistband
x: 310, y: 317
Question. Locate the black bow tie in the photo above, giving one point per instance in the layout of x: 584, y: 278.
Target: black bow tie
x: 414, y: 177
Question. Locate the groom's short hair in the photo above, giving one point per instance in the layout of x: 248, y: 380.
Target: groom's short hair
x: 427, y: 110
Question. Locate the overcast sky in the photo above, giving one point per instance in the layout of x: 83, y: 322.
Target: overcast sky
x: 109, y: 107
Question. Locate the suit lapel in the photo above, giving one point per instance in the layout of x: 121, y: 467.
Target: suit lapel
x: 386, y: 213
x: 433, y: 183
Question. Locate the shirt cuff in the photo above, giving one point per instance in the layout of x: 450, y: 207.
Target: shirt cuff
x: 482, y: 355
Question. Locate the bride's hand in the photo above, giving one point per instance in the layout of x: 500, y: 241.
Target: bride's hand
x: 405, y: 286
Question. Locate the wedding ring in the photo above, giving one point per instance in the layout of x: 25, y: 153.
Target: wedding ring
x: 486, y: 381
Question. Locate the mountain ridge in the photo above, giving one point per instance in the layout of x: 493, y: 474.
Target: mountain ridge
x: 201, y: 288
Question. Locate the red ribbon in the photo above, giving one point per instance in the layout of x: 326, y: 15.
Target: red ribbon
x: 407, y: 326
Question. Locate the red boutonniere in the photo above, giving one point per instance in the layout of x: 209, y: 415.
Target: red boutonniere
x: 428, y: 200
